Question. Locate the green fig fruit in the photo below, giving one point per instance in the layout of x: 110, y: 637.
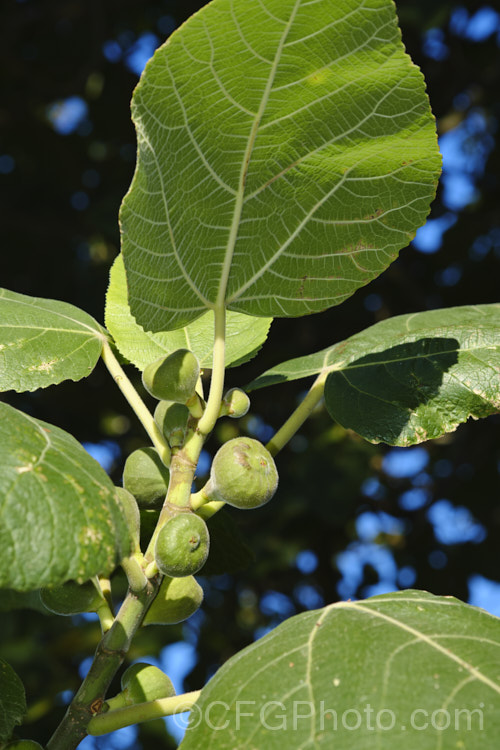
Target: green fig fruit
x: 235, y: 404
x: 243, y: 474
x: 145, y: 682
x: 131, y: 514
x: 141, y: 683
x: 23, y: 745
x: 172, y: 378
x: 172, y: 419
x: 182, y: 545
x: 71, y: 598
x: 176, y: 600
x: 146, y: 477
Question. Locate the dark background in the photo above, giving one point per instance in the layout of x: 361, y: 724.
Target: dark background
x: 350, y: 519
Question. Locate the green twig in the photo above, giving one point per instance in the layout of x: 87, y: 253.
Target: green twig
x: 108, y: 658
x: 140, y: 712
x: 136, y: 402
x: 299, y: 416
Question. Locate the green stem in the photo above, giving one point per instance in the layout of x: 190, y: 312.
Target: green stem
x: 209, y: 418
x: 136, y: 403
x: 299, y: 416
x: 124, y: 717
x: 108, y: 658
x: 134, y: 571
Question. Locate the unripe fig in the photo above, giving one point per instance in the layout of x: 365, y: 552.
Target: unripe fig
x: 235, y: 404
x: 172, y: 378
x: 23, y: 745
x: 182, y: 545
x: 172, y: 419
x: 176, y: 600
x: 145, y: 682
x: 146, y: 477
x: 131, y: 514
x: 243, y: 474
x: 71, y: 598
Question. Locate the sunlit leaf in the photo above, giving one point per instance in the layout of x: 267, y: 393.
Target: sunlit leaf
x: 244, y: 334
x: 44, y: 341
x: 403, y: 670
x: 286, y: 152
x: 409, y: 378
x: 59, y: 515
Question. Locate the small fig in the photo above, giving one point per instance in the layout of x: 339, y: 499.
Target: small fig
x: 131, y: 514
x: 243, y: 474
x: 71, y: 598
x: 182, y: 545
x: 23, y: 745
x: 235, y: 404
x: 172, y: 378
x: 146, y: 477
x: 176, y: 600
x: 145, y: 682
x: 172, y: 419
x: 141, y: 683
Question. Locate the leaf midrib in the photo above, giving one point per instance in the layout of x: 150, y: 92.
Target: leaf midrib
x: 240, y: 195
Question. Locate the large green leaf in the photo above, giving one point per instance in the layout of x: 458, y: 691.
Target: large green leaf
x: 244, y: 334
x: 44, y: 341
x: 12, y: 700
x: 286, y: 152
x: 59, y: 516
x: 404, y: 670
x: 409, y: 378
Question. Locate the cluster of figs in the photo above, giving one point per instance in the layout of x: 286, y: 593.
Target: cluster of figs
x: 243, y: 474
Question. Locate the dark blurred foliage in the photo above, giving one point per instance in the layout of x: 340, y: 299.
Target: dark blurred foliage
x: 60, y: 200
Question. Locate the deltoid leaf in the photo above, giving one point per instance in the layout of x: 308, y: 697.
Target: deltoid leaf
x: 286, y: 152
x: 409, y: 378
x: 44, y: 341
x: 244, y: 335
x: 12, y: 700
x: 59, y: 516
x: 400, y: 670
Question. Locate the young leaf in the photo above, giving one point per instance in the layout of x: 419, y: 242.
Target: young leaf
x: 59, y: 516
x: 407, y: 669
x: 44, y: 341
x: 12, y: 700
x: 244, y: 335
x: 286, y: 152
x: 409, y: 378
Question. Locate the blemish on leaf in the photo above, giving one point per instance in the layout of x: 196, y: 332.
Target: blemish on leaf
x: 44, y: 366
x: 24, y: 469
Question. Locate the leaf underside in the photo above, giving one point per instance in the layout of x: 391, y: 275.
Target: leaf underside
x: 364, y: 674
x: 44, y: 341
x: 286, y: 153
x: 59, y: 516
x: 409, y: 378
x: 244, y: 335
